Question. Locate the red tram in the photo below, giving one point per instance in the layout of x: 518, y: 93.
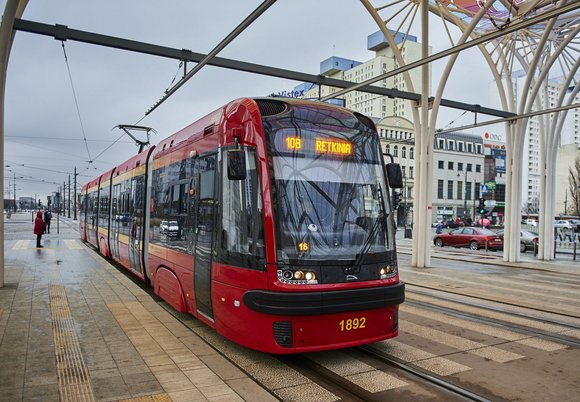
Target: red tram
x: 269, y: 220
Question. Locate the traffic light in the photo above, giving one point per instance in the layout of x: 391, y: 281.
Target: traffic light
x: 481, y: 208
x: 396, y: 200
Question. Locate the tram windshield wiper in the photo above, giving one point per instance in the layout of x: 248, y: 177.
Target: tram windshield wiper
x: 369, y: 241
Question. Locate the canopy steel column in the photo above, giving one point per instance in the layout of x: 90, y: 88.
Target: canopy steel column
x: 425, y: 116
x: 533, y: 47
x: 12, y: 10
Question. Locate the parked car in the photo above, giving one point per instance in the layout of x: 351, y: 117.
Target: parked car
x: 472, y: 237
x: 562, y: 224
x: 169, y: 228
x: 528, y: 240
x: 575, y: 224
x: 530, y: 222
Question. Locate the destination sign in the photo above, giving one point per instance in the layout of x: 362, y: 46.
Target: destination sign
x: 321, y: 146
x: 326, y: 146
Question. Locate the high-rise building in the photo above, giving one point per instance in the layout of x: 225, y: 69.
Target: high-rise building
x: 355, y: 71
x: 570, y: 134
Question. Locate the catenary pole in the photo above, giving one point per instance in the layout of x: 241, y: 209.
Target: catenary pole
x: 68, y: 216
x: 75, y: 195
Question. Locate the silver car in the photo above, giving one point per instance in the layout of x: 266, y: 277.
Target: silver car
x: 528, y: 240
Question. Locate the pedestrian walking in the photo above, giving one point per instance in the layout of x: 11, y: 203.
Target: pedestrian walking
x: 47, y: 218
x: 39, y: 228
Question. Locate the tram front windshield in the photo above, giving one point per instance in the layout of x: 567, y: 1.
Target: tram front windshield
x: 329, y: 190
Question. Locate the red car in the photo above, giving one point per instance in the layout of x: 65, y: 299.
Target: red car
x: 472, y: 237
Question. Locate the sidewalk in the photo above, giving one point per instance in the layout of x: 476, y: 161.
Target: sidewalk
x: 74, y: 328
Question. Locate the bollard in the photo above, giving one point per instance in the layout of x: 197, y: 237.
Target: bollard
x: 486, y: 246
x: 574, y: 256
x: 535, y: 249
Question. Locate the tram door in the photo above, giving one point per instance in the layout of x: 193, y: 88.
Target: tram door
x: 206, y: 207
x: 135, y: 223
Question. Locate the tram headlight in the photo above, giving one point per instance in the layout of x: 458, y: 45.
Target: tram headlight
x: 298, y: 275
x: 387, y: 271
x: 287, y: 274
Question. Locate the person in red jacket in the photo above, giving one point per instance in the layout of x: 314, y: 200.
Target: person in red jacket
x: 39, y: 228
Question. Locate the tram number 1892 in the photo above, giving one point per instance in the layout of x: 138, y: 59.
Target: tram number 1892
x: 352, y: 324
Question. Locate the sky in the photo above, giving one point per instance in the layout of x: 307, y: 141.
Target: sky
x: 53, y: 105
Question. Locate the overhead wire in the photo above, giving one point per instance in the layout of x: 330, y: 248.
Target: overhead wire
x: 19, y: 165
x: 76, y: 102
x: 32, y: 137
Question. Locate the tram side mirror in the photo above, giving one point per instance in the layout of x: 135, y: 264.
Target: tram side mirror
x: 236, y: 164
x: 395, y: 175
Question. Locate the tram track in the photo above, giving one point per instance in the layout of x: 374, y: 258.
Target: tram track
x: 522, y: 329
x: 341, y: 386
x: 418, y: 374
x: 410, y: 285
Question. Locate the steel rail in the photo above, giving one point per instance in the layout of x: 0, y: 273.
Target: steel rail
x: 428, y: 378
x: 521, y: 329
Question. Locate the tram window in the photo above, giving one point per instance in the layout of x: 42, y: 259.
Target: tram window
x: 242, y: 237
x: 175, y: 199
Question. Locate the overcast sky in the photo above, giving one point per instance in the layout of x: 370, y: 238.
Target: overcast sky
x: 44, y: 136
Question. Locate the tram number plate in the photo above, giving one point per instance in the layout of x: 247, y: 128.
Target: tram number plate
x: 352, y: 324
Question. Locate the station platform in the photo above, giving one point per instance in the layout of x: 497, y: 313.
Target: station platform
x: 75, y: 328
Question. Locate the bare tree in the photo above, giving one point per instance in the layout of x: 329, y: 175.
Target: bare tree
x: 574, y: 187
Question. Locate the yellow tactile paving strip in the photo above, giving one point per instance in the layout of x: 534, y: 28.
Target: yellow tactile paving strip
x: 149, y: 398
x: 74, y: 383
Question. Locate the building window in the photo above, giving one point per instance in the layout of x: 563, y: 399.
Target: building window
x: 460, y: 166
x: 450, y: 165
x: 478, y: 168
x: 479, y: 149
x: 469, y: 167
x: 460, y: 146
x: 411, y: 170
x: 468, y: 190
x: 412, y: 153
x: 396, y: 151
x: 441, y: 143
x: 459, y: 190
x: 449, y: 189
x: 477, y: 188
x: 440, y: 189
x: 470, y: 148
x: 403, y: 152
x: 403, y: 168
x: 388, y: 149
x: 441, y: 165
x: 451, y: 145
